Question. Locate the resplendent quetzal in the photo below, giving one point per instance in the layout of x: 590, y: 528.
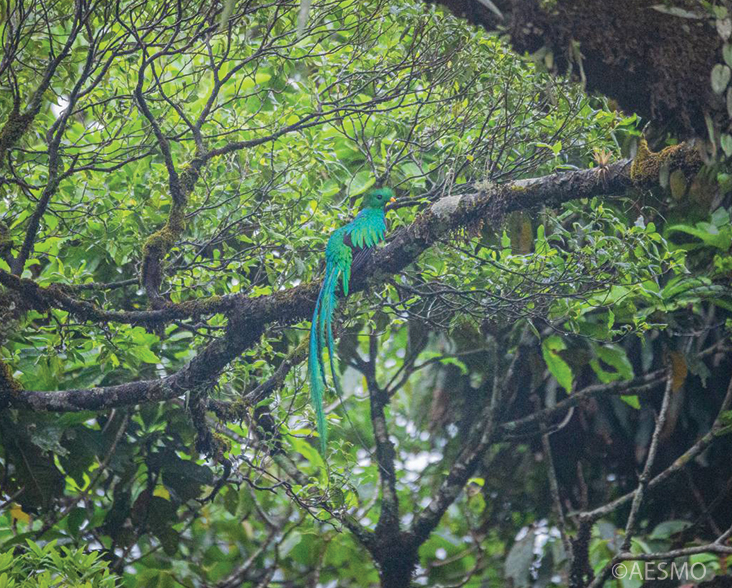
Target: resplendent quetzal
x: 347, y: 248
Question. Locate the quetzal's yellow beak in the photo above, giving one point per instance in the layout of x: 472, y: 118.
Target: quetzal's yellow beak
x: 392, y: 200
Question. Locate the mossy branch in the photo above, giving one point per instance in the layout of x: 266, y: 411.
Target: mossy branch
x: 158, y: 244
x: 248, y: 317
x: 9, y: 387
x: 15, y: 127
x: 647, y: 165
x: 6, y: 242
x: 453, y: 213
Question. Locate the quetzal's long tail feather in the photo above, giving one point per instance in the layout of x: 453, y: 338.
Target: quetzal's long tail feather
x: 331, y: 301
x: 322, y: 320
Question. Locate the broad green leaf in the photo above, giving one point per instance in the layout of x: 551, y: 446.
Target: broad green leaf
x: 559, y: 368
x: 361, y: 182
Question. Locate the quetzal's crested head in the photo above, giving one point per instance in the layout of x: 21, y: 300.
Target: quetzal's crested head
x: 378, y: 198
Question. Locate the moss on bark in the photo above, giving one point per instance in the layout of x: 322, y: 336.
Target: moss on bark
x: 13, y: 129
x: 650, y: 62
x: 5, y: 241
x: 9, y: 386
x: 158, y: 245
x: 647, y: 164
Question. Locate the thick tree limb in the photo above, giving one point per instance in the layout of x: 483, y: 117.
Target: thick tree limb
x: 251, y: 315
x: 450, y: 213
x: 650, y: 60
x: 388, y: 523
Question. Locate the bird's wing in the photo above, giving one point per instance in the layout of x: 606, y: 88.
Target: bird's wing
x: 367, y: 229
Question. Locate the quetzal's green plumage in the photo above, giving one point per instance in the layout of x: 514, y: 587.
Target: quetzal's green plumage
x: 347, y: 248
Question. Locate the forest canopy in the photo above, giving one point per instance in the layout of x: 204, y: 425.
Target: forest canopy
x: 535, y: 366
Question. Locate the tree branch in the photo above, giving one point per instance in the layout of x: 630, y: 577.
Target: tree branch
x: 632, y: 387
x: 388, y: 523
x: 251, y: 315
x: 473, y: 450
x: 640, y: 491
x: 718, y: 428
x: 18, y: 123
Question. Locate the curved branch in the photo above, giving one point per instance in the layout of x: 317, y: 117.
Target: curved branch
x: 251, y: 315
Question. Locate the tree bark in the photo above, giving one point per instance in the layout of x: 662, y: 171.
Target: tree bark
x: 397, y: 558
x: 652, y: 58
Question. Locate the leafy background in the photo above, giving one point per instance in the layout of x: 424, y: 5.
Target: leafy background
x: 595, y: 292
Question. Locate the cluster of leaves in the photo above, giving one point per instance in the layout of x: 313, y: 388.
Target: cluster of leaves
x: 49, y: 565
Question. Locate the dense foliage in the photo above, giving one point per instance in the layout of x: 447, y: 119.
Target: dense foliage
x: 48, y: 566
x: 165, y: 163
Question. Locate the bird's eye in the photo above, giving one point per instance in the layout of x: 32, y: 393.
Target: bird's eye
x: 379, y: 196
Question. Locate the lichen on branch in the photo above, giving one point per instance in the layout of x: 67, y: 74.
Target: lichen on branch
x: 157, y: 246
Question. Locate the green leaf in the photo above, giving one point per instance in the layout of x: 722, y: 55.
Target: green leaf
x: 668, y: 528
x: 720, y: 77
x: 724, y: 28
x: 726, y: 142
x: 75, y: 519
x: 361, y: 182
x: 169, y: 538
x: 184, y: 477
x: 146, y: 355
x: 456, y: 362
x: 37, y: 473
x: 557, y: 366
x: 615, y: 357
x: 727, y: 53
x: 48, y: 436
x: 708, y: 233
x: 231, y: 500
x: 161, y: 514
x: 312, y: 456
x: 677, y: 11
